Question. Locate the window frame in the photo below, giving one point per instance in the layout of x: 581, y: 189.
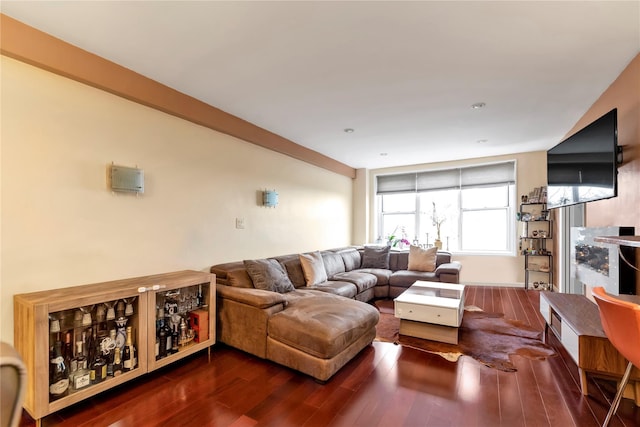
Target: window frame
x: 510, y: 212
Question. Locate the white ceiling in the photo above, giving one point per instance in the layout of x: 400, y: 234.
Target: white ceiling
x: 403, y: 75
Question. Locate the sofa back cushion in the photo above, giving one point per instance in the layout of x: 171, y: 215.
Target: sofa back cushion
x: 351, y: 258
x: 399, y: 260
x: 293, y: 267
x: 333, y: 263
x: 269, y: 275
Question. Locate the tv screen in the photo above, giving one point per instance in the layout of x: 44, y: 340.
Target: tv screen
x: 584, y: 168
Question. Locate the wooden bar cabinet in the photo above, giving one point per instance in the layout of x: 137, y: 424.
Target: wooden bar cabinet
x: 142, y: 303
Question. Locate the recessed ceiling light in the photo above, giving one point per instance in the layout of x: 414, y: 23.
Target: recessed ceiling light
x: 348, y: 130
x: 478, y: 105
x: 482, y: 141
x: 384, y: 154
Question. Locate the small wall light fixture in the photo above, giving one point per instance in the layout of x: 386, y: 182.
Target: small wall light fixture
x: 270, y: 198
x: 126, y: 179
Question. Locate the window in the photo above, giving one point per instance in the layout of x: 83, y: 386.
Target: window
x: 469, y: 209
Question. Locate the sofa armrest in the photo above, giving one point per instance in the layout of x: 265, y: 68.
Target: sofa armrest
x: 452, y: 267
x: 258, y: 298
x: 242, y: 317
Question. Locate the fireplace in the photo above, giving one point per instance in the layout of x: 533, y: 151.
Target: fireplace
x: 599, y: 264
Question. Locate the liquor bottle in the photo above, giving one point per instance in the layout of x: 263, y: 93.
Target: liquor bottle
x: 84, y: 344
x: 129, y: 356
x: 175, y: 339
x: 167, y: 331
x: 110, y: 357
x: 98, y: 366
x: 117, y: 362
x: 199, y: 297
x: 157, y: 348
x: 58, y: 374
x: 162, y: 341
x: 89, y: 346
x: 80, y: 377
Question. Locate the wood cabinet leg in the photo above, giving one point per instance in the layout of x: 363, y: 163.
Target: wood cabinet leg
x: 583, y: 381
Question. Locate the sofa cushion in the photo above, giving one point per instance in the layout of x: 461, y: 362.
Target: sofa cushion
x: 376, y: 257
x: 313, y: 268
x: 422, y: 259
x: 322, y: 325
x: 293, y: 267
x: 406, y: 278
x: 269, y: 275
x: 344, y: 289
x: 382, y: 274
x: 351, y: 258
x: 333, y: 263
x: 363, y: 281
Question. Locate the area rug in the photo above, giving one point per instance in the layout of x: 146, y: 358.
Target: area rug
x: 487, y: 337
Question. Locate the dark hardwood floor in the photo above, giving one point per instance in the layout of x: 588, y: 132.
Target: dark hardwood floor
x: 385, y: 385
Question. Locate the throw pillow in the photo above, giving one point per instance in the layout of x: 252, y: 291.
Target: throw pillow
x: 269, y: 275
x: 422, y: 259
x: 376, y: 257
x: 313, y: 268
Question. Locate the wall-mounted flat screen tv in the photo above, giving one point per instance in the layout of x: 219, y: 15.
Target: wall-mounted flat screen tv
x: 584, y: 167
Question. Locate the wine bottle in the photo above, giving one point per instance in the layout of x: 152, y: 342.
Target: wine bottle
x: 80, y: 377
x: 128, y: 359
x: 67, y: 351
x: 117, y: 362
x: 58, y: 374
x: 98, y: 366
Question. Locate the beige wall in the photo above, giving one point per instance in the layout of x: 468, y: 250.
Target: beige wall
x: 487, y: 269
x: 61, y: 226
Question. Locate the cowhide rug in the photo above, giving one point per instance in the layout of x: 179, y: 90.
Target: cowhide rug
x: 487, y: 337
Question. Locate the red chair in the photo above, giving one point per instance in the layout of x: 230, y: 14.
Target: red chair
x: 621, y: 322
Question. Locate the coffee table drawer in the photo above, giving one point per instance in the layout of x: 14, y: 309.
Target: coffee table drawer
x: 431, y: 314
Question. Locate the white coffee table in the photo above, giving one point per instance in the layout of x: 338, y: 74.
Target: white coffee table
x: 431, y: 310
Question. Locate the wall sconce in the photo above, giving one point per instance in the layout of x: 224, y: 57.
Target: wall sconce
x: 125, y: 179
x: 270, y: 198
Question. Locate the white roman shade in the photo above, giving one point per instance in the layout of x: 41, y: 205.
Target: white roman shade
x: 446, y: 179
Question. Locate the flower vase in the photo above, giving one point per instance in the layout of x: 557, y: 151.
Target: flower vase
x: 438, y: 243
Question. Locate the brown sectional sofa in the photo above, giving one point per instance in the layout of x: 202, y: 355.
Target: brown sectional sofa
x: 314, y: 329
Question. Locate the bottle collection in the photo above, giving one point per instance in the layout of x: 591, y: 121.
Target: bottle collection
x: 90, y: 344
x: 179, y: 314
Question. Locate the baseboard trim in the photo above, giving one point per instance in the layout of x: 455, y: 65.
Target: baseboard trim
x: 495, y: 285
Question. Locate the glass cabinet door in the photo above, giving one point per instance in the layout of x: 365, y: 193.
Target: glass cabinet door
x: 182, y: 319
x: 92, y: 344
